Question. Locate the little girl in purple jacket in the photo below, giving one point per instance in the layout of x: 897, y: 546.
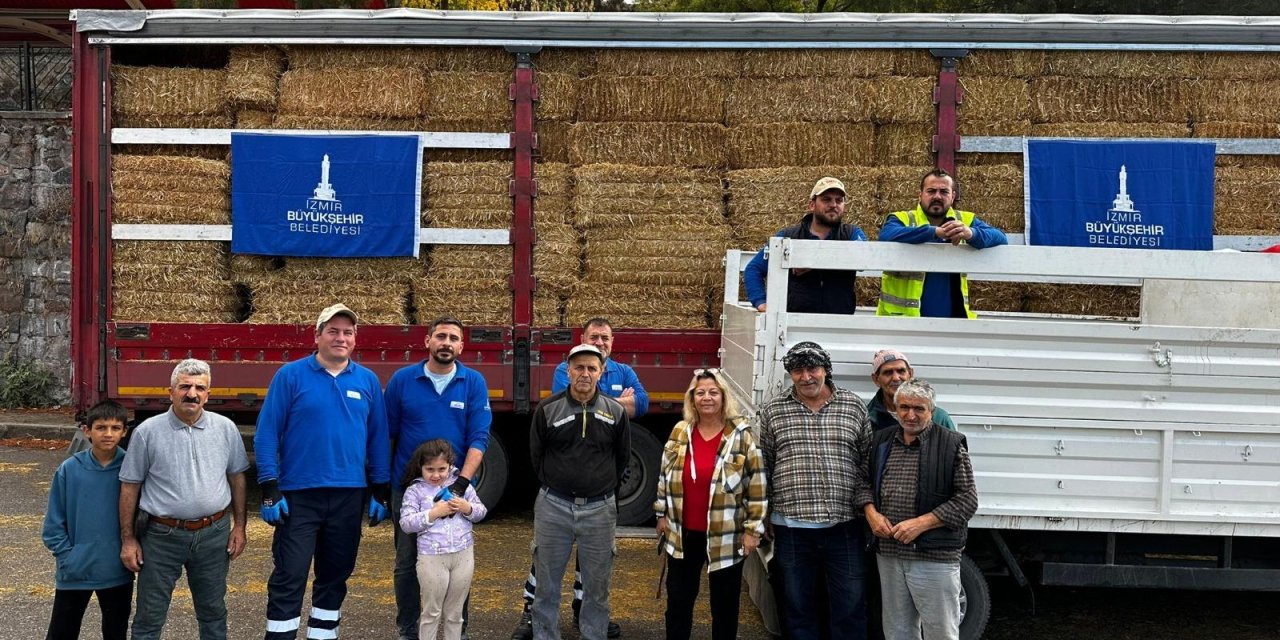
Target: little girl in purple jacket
x: 442, y: 521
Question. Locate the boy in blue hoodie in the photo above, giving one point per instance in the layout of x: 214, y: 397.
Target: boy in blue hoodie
x: 82, y: 529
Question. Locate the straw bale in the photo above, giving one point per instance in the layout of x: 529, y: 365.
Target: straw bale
x: 997, y: 296
x: 554, y: 179
x: 557, y: 96
x: 801, y: 144
x: 1107, y: 100
x: 806, y: 63
x: 152, y: 314
x: 135, y: 213
x: 647, y: 183
x: 470, y: 125
x: 130, y: 121
x: 142, y: 274
x: 898, y: 187
x: 1001, y: 64
x: 179, y: 298
x: 557, y: 257
x: 915, y: 62
x: 250, y: 269
x: 970, y: 127
x: 1123, y: 64
x: 996, y: 180
x: 1111, y: 129
x: 195, y: 168
x: 1236, y: 100
x: 665, y: 62
x: 574, y: 62
x: 642, y: 300
x: 253, y: 76
x: 343, y: 123
x: 306, y: 315
x: 343, y: 270
x: 904, y: 143
x: 199, y: 200
x: 995, y: 99
x: 254, y: 119
x: 205, y: 151
x: 553, y: 141
x: 468, y: 218
x: 172, y: 252
x: 167, y: 91
x: 648, y: 143
x: 467, y: 155
x: 651, y: 99
x: 449, y: 257
x: 754, y: 101
x: 1083, y: 299
x: 630, y: 273
x: 467, y: 178
x: 1239, y: 130
x: 1244, y: 201
x: 478, y: 96
x: 548, y: 309
x: 1006, y: 213
x: 866, y: 292
x: 324, y: 58
x: 386, y: 92
x: 176, y: 184
x: 608, y: 213
x: 577, y: 312
x: 469, y: 59
x: 553, y: 209
x: 1240, y: 66
x: 479, y: 201
x: 903, y: 99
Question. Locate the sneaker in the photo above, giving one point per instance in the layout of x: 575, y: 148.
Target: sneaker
x: 614, y: 631
x: 524, y: 628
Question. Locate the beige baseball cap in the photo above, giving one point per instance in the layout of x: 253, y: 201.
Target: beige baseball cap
x: 335, y: 310
x: 826, y: 184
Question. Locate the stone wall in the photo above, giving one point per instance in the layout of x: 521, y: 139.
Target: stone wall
x: 35, y: 240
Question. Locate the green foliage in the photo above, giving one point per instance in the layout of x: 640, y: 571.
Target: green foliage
x: 25, y: 384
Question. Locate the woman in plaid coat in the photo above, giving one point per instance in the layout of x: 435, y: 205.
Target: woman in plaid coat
x: 711, y: 505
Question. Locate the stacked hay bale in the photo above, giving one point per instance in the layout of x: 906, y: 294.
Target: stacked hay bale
x: 557, y: 250
x: 376, y: 288
x: 357, y: 88
x: 253, y: 84
x: 653, y: 230
x: 470, y: 282
x: 169, y: 97
x: 559, y: 77
x: 169, y: 281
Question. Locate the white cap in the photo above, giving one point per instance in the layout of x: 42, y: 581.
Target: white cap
x: 335, y: 310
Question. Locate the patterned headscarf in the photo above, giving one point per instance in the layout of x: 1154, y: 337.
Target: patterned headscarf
x: 805, y: 355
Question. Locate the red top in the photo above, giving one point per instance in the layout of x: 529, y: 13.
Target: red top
x: 1275, y: 249
x: 697, y: 492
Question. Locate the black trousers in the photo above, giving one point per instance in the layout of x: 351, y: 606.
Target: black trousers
x: 69, y: 606
x: 683, y: 578
x: 324, y: 525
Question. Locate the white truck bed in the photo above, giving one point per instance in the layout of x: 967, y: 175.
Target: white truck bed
x: 1073, y: 424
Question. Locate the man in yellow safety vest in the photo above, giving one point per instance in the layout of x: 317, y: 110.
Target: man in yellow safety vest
x: 933, y: 295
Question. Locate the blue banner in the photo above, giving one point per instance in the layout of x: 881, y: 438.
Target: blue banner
x: 1132, y: 194
x: 335, y: 196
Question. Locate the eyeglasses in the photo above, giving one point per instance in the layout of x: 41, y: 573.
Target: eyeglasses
x: 705, y: 373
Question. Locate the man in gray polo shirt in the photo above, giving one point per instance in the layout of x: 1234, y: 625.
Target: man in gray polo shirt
x: 185, y: 469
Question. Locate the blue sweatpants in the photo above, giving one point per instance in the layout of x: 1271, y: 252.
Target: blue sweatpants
x: 323, y: 524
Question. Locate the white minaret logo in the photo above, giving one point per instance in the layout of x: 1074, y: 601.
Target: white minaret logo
x: 324, y: 190
x: 1122, y: 201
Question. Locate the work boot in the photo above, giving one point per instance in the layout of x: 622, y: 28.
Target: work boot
x: 614, y: 631
x: 524, y: 628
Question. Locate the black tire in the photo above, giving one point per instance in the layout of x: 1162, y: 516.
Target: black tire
x: 640, y: 481
x: 975, y: 600
x: 491, y: 477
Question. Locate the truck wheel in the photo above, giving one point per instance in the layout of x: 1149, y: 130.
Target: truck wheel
x: 975, y: 600
x: 640, y: 481
x: 491, y: 477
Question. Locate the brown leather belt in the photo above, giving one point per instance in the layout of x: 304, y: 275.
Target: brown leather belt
x: 189, y: 525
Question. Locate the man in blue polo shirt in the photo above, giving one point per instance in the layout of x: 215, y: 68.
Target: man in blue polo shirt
x: 620, y: 382
x: 435, y: 398
x: 321, y: 443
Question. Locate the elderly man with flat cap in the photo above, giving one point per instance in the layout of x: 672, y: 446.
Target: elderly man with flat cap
x: 814, y: 437
x: 812, y: 290
x: 580, y: 443
x: 889, y: 369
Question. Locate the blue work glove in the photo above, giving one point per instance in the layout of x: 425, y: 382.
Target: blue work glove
x: 459, y: 486
x: 380, y: 496
x: 444, y: 494
x: 275, y: 509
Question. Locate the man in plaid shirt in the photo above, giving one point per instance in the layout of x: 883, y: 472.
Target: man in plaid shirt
x: 814, y: 438
x: 918, y: 499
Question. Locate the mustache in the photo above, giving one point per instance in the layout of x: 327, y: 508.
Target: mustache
x: 191, y: 400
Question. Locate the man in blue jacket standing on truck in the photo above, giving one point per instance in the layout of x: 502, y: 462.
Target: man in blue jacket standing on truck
x: 321, y: 443
x: 435, y: 398
x: 812, y: 290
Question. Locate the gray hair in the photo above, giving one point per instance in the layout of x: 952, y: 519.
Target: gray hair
x: 916, y: 388
x: 189, y: 367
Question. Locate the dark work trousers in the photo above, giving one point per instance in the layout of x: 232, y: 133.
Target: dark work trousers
x: 683, y: 578
x: 69, y: 606
x: 323, y: 524
x: 834, y: 555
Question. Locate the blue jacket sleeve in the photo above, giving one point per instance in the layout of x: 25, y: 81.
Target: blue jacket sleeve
x: 55, y: 533
x: 378, y: 443
x: 858, y: 234
x: 985, y: 235
x: 894, y: 231
x: 271, y: 425
x: 630, y: 379
x: 479, y: 416
x: 560, y: 380
x: 754, y: 279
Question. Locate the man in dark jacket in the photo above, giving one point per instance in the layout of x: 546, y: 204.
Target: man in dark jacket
x: 918, y: 496
x: 812, y: 290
